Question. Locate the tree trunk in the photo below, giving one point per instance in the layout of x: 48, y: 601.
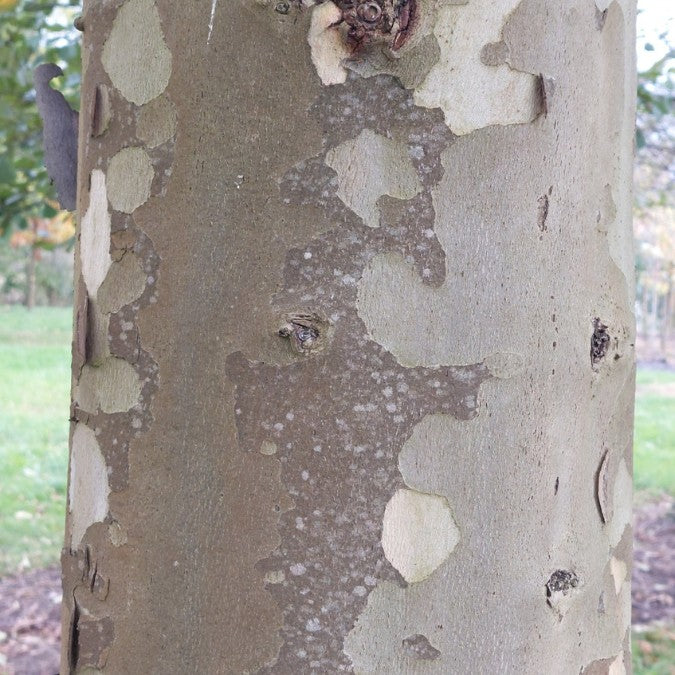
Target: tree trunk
x: 667, y: 311
x: 31, y: 270
x: 31, y: 277
x: 353, y: 366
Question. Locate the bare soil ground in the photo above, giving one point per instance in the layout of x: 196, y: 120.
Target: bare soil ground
x: 30, y: 603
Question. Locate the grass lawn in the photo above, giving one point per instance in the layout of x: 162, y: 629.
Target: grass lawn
x: 654, y: 450
x: 654, y: 652
x: 34, y: 408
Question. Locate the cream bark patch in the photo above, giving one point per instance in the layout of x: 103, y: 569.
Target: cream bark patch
x: 328, y: 49
x: 471, y: 94
x: 130, y: 175
x: 418, y: 533
x: 88, y: 486
x: 135, y: 55
x: 95, y: 235
x: 618, y: 666
x: 368, y: 167
x: 622, y: 515
x: 111, y: 387
x: 618, y: 569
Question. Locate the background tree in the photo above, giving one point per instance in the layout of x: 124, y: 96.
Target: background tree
x: 654, y: 201
x: 31, y: 32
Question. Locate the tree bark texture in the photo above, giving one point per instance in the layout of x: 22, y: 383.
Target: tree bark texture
x: 353, y: 359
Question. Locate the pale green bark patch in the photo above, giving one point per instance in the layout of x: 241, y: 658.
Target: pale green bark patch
x: 130, y: 175
x: 368, y: 167
x: 88, y: 486
x: 135, y: 55
x: 123, y: 284
x: 472, y: 94
x: 111, y: 387
x: 418, y: 533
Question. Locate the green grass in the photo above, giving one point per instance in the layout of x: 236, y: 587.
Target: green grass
x: 654, y: 453
x: 654, y: 652
x: 34, y: 407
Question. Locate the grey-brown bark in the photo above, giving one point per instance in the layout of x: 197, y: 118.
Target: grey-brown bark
x: 353, y: 364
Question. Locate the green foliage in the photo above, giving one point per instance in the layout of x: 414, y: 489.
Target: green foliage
x: 655, y: 128
x: 32, y: 32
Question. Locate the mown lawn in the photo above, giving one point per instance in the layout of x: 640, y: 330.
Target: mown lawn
x: 34, y: 396
x: 654, y: 450
x: 654, y: 652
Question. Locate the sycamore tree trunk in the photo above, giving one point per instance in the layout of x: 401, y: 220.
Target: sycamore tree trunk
x: 353, y: 358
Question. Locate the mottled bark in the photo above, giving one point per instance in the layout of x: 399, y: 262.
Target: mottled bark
x: 353, y: 367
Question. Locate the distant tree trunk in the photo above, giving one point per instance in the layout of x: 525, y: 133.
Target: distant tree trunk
x: 31, y: 277
x: 353, y: 361
x: 667, y: 312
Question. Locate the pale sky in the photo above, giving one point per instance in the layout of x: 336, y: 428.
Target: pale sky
x: 655, y: 17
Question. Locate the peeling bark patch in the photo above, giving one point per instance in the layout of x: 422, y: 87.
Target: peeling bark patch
x: 95, y: 235
x: 112, y: 387
x: 599, y: 341
x: 369, y: 167
x: 418, y: 647
x: 338, y: 420
x: 418, y: 533
x: 472, y: 94
x: 328, y: 49
x: 88, y: 485
x: 130, y: 175
x: 559, y: 590
x: 135, y: 55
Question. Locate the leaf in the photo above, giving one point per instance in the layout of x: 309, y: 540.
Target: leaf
x: 640, y: 140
